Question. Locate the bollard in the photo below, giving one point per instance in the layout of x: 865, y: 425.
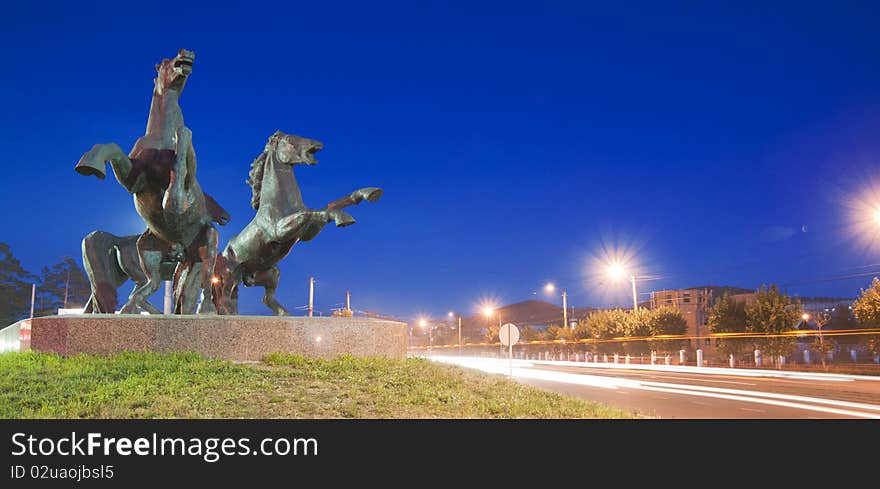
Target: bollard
x: 653, y: 357
x: 732, y: 361
x: 681, y: 357
x: 615, y: 358
x: 757, y: 357
x: 877, y: 359
x: 699, y: 358
x: 668, y: 359
x: 627, y: 359
x: 854, y: 355
x: 605, y: 356
x: 807, y: 357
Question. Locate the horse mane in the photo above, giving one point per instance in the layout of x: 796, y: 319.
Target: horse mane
x: 255, y: 179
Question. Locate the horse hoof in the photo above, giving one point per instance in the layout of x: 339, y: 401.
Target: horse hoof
x: 371, y: 194
x: 92, y: 163
x: 342, y: 219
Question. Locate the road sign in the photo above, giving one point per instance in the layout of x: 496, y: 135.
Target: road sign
x: 508, y: 334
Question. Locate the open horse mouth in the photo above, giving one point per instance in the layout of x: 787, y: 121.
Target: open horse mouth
x: 310, y: 154
x: 184, y: 61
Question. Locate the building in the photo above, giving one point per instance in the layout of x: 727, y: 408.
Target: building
x: 694, y: 305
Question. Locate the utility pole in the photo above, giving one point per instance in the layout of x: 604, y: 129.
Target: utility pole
x: 635, y: 296
x: 564, y: 310
x: 311, y: 295
x: 66, y: 288
x: 348, y: 300
x: 33, y: 296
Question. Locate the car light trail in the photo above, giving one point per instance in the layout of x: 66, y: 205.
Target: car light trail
x: 523, y: 369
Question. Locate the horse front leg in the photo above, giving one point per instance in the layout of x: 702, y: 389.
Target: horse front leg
x: 150, y: 250
x: 268, y: 279
x: 370, y: 194
x: 305, y: 225
x: 95, y: 161
x: 175, y: 201
x: 208, y: 254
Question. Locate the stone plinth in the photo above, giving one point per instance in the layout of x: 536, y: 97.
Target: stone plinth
x: 241, y: 338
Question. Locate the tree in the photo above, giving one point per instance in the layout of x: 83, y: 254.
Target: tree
x: 773, y: 313
x: 728, y: 315
x: 666, y: 321
x: 15, y: 288
x: 605, y: 325
x: 491, y: 335
x: 867, y: 312
x: 64, y: 284
x: 637, y: 324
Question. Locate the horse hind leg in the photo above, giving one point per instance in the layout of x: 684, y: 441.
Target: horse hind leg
x: 150, y: 251
x: 268, y: 279
x: 208, y: 254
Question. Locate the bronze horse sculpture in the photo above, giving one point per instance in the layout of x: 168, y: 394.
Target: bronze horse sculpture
x: 160, y: 172
x: 282, y: 220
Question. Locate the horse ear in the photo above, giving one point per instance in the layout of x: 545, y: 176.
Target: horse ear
x: 157, y: 66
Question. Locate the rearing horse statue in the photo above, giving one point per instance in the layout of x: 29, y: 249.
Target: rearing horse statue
x: 160, y: 172
x: 282, y: 220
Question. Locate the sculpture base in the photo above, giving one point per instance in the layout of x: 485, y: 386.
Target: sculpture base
x: 240, y: 338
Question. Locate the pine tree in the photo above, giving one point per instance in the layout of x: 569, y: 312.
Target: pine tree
x: 15, y: 288
x: 64, y: 284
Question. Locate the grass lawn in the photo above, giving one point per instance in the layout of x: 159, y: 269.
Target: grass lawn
x: 151, y: 385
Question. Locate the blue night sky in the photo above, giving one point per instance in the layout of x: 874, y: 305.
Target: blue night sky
x: 516, y: 142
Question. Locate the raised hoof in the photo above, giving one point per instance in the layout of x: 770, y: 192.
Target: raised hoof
x: 92, y: 163
x: 342, y: 218
x: 370, y: 194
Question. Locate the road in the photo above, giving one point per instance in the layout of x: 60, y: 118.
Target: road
x: 667, y: 391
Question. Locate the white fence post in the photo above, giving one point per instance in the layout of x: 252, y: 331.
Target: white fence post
x: 732, y: 361
x: 699, y: 358
x: 757, y: 357
x: 681, y: 356
x: 807, y: 357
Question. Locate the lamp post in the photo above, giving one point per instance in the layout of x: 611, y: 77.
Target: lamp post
x: 423, y: 323
x: 550, y: 288
x: 451, y: 314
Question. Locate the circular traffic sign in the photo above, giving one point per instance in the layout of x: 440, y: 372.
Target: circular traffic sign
x: 508, y: 334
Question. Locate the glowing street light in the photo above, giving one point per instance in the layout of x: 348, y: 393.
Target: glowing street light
x: 617, y: 272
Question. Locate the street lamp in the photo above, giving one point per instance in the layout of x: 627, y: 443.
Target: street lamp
x: 423, y: 323
x: 488, y: 311
x: 550, y: 288
x: 451, y: 315
x: 617, y: 272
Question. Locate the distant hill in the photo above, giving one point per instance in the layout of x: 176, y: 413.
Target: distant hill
x: 527, y: 313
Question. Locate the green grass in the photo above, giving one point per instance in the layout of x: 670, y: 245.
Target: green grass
x: 180, y: 385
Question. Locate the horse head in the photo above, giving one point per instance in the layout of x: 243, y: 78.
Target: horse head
x: 293, y: 150
x: 172, y: 73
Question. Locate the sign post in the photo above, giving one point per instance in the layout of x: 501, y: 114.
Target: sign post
x: 509, y: 335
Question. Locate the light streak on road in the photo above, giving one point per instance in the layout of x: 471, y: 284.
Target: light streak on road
x: 525, y: 370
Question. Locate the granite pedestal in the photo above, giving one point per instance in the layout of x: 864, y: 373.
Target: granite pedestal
x: 239, y: 338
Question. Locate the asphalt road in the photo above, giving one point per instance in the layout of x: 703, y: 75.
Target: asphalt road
x: 662, y: 391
